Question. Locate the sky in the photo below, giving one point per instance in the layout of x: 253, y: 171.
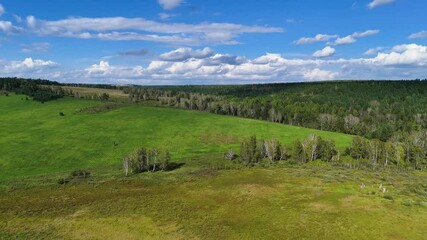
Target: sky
x: 175, y: 42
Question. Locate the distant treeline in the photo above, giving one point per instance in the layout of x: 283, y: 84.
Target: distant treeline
x: 373, y: 109
x: 102, y: 86
x: 45, y: 90
x: 37, y: 89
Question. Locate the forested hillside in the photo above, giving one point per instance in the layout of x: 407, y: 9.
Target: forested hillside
x: 373, y: 109
x: 37, y: 89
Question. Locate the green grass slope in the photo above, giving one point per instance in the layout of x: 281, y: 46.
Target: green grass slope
x: 35, y: 140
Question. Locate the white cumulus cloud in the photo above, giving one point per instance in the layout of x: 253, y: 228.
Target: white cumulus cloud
x: 373, y: 51
x: 2, y: 10
x: 365, y: 33
x: 28, y: 65
x: 169, y: 4
x: 122, y: 29
x: 200, y: 66
x: 317, y: 38
x: 421, y: 34
x: 377, y: 3
x: 9, y: 28
x: 103, y: 68
x: 406, y: 54
x: 205, y: 68
x: 318, y: 74
x: 352, y: 38
x: 402, y: 61
x: 338, y: 40
x: 326, y: 52
x: 165, y: 16
x: 182, y: 54
x: 345, y: 40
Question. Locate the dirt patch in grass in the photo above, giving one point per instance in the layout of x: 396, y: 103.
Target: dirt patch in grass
x: 101, y: 108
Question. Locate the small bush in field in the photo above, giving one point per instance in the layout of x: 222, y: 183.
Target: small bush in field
x: 74, y: 175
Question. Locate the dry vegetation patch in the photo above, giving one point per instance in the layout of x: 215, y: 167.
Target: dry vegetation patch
x: 101, y: 108
x: 86, y: 91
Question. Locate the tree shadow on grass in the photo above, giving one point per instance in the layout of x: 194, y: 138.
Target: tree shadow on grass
x: 173, y: 166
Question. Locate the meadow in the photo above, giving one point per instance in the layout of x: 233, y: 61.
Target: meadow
x: 204, y: 199
x: 36, y: 140
x: 280, y: 203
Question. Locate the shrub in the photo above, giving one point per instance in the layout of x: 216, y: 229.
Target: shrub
x: 80, y: 173
x: 230, y: 154
x: 148, y: 160
x: 408, y: 202
x: 76, y: 174
x: 249, y: 151
x: 63, y: 181
x: 388, y: 197
x: 104, y: 97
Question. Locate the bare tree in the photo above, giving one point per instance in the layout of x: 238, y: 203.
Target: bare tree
x: 337, y: 158
x: 388, y: 153
x: 270, y: 147
x: 154, y: 153
x: 275, y: 116
x: 304, y: 145
x: 310, y: 146
x: 230, y: 154
x: 147, y: 156
x: 397, y: 152
x: 283, y: 153
x: 374, y: 151
x: 350, y: 122
x: 326, y: 120
x: 126, y: 165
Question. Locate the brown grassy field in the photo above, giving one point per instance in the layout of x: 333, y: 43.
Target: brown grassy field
x: 85, y: 91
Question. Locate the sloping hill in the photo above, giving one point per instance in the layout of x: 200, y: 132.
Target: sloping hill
x: 36, y: 140
x: 296, y: 202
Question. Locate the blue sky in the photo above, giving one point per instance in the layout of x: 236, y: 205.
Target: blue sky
x: 213, y: 42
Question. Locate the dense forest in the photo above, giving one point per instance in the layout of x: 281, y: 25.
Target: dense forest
x: 373, y: 109
x: 37, y: 89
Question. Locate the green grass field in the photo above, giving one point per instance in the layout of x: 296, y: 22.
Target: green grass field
x: 37, y: 147
x: 35, y: 140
